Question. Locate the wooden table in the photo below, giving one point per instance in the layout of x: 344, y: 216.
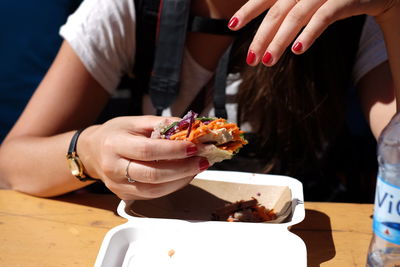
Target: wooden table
x: 68, y: 230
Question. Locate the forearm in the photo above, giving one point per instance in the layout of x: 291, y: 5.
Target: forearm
x: 389, y: 24
x: 37, y: 165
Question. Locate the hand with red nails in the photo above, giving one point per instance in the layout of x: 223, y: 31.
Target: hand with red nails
x: 122, y: 148
x: 287, y: 18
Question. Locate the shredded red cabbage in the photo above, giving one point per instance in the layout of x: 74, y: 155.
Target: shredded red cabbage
x: 191, y: 116
x: 185, y: 123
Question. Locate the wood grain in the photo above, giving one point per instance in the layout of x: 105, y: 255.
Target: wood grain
x: 68, y: 230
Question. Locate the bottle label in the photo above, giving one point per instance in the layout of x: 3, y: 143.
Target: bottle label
x: 386, y: 222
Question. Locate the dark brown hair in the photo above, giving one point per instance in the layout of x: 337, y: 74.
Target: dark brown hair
x: 297, y: 107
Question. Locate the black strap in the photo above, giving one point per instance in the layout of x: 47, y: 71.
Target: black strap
x: 209, y: 25
x: 146, y: 28
x: 220, y: 85
x: 165, y: 78
x: 72, y: 150
x: 175, y: 20
x: 74, y: 141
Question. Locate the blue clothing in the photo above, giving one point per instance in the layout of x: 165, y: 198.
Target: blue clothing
x: 29, y: 41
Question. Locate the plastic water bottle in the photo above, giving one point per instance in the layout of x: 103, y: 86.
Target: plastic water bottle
x: 384, y: 249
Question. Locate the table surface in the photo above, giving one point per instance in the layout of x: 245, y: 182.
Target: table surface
x: 68, y: 230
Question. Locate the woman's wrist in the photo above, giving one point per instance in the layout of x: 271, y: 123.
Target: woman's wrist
x: 84, y: 150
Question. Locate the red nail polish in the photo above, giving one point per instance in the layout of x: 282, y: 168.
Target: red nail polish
x: 251, y: 56
x: 233, y: 22
x: 297, y: 47
x: 267, y: 58
x: 203, y: 164
x: 191, y: 150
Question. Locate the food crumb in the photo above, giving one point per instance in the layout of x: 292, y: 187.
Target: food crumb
x: 171, y: 252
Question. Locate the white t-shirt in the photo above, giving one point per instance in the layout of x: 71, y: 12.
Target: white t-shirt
x: 371, y: 50
x: 102, y: 33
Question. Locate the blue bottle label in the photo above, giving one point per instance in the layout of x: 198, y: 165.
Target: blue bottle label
x: 386, y: 222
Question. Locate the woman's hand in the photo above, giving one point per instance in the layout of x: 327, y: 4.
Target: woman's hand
x: 286, y: 19
x: 158, y: 166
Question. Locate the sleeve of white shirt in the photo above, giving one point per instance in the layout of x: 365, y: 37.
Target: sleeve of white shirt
x: 102, y: 34
x: 371, y: 51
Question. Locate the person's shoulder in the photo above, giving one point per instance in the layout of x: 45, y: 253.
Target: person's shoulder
x: 106, y: 11
x: 102, y: 34
x: 100, y: 18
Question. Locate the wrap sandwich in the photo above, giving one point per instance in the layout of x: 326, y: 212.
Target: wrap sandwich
x: 216, y: 138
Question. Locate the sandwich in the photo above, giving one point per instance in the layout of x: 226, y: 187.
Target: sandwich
x: 216, y: 138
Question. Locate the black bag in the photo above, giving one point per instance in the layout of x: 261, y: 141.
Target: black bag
x: 160, y: 41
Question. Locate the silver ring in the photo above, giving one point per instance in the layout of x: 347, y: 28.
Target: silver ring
x: 127, y: 173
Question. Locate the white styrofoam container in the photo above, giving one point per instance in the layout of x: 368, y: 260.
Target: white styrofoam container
x: 143, y: 242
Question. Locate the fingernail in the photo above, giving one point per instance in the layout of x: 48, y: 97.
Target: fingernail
x: 297, y: 47
x: 233, y: 22
x: 191, y: 150
x: 267, y: 58
x: 251, y: 56
x: 203, y: 164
